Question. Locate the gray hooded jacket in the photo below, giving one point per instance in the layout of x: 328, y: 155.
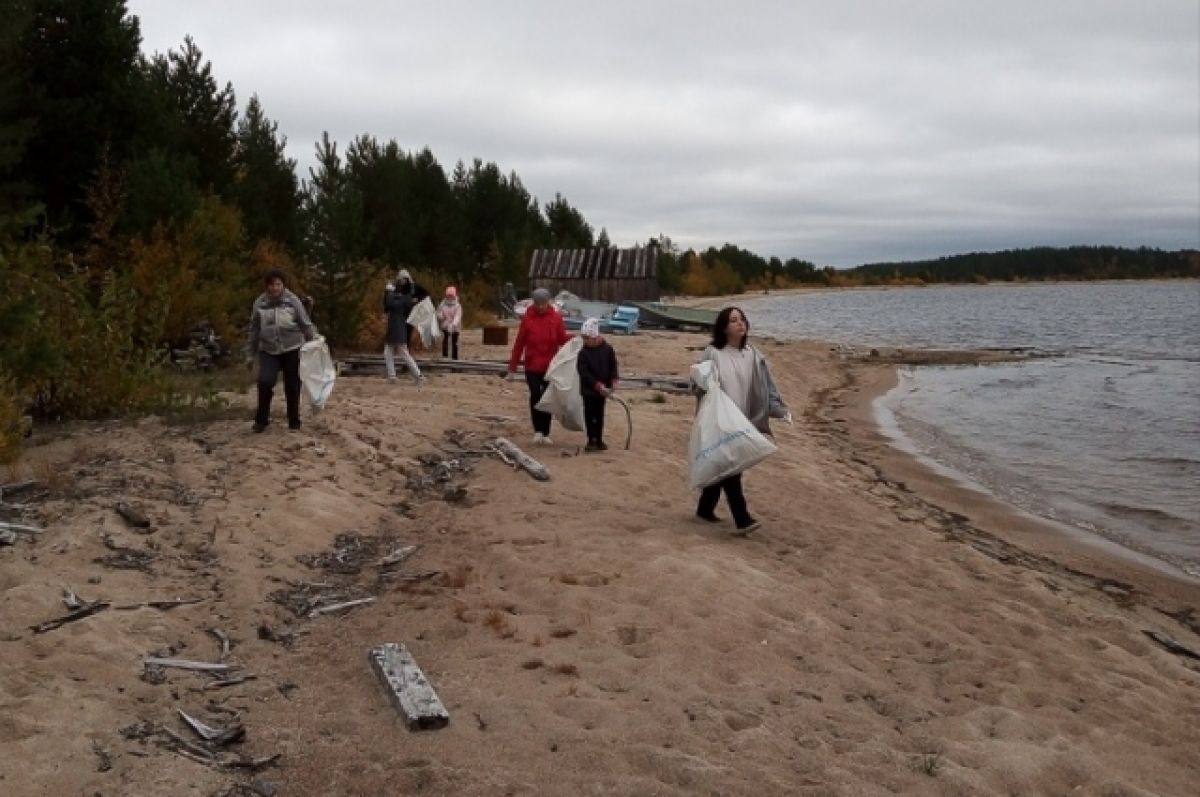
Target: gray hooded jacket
x: 764, y: 401
x: 279, y: 325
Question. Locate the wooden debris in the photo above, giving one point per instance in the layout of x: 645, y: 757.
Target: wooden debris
x: 164, y: 605
x: 419, y: 575
x: 132, y: 516
x: 233, y: 681
x: 1171, y: 645
x: 71, y: 600
x: 396, y: 557
x: 185, y: 664
x: 124, y: 558
x: 85, y: 610
x: 18, y: 528
x: 408, y: 688
x: 223, y: 639
x: 337, y: 607
x: 217, y: 737
x: 527, y: 463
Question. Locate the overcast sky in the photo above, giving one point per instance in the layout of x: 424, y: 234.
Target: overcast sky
x: 840, y: 133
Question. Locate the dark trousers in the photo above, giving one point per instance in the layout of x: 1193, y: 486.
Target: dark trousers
x: 593, y: 417
x: 537, y: 386
x: 733, y: 495
x: 450, y: 343
x: 269, y: 366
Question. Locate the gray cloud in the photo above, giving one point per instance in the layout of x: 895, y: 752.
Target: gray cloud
x: 838, y: 133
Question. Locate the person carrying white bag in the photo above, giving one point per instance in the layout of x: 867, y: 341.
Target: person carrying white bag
x: 731, y: 429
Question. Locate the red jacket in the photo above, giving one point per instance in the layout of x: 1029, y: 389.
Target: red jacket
x: 538, y: 339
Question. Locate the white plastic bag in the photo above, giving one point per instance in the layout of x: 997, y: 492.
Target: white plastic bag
x: 723, y: 441
x: 562, y: 398
x: 424, y: 319
x: 317, y: 372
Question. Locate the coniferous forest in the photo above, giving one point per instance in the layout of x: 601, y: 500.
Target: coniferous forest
x: 142, y: 199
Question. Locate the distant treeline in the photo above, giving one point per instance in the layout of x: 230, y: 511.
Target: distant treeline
x: 1038, y: 263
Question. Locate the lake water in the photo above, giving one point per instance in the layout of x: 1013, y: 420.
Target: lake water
x: 1103, y: 435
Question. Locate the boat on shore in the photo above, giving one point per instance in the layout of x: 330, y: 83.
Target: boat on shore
x: 672, y: 316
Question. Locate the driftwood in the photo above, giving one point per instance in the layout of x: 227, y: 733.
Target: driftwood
x: 420, y: 575
x: 132, y: 516
x: 1171, y: 644
x: 337, y: 607
x: 184, y: 664
x: 509, y: 450
x: 164, y: 605
x: 233, y: 681
x: 19, y: 529
x: 396, y: 557
x: 223, y: 638
x: 71, y: 600
x: 408, y: 688
x: 218, y: 737
x: 84, y: 610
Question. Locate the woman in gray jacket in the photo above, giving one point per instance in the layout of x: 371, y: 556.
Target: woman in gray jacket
x: 745, y: 378
x: 279, y: 326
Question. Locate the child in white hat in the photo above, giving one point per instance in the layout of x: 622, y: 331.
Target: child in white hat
x: 597, y: 365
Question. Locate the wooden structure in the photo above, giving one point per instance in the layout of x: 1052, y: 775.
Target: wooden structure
x: 602, y: 275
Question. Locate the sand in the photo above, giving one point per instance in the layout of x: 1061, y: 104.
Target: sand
x: 885, y: 632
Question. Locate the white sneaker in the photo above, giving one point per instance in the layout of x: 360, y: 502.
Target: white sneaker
x: 546, y: 441
x: 420, y: 381
x: 391, y: 380
x: 538, y: 438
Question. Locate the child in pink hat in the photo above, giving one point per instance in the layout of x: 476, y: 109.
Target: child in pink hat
x: 449, y: 318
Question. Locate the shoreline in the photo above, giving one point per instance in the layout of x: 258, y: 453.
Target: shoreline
x: 1070, y: 548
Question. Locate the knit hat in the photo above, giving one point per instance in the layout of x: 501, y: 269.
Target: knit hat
x: 541, y: 296
x: 590, y: 328
x: 451, y: 292
x: 404, y: 276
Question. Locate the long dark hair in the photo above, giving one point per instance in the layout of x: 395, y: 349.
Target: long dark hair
x: 719, y: 340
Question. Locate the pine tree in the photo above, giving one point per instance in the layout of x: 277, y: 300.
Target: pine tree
x: 17, y: 209
x: 265, y: 187
x: 334, y: 237
x: 80, y: 59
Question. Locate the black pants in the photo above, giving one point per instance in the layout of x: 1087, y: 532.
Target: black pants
x: 450, y: 342
x: 537, y: 386
x: 733, y: 495
x: 593, y: 417
x: 269, y: 366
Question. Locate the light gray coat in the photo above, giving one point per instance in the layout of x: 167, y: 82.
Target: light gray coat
x: 764, y: 401
x: 279, y: 325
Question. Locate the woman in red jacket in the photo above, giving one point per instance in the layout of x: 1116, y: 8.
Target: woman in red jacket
x: 541, y: 334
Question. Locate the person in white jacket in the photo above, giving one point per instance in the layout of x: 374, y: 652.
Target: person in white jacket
x: 449, y: 318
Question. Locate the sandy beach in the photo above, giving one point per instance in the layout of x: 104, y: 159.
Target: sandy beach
x: 885, y: 632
